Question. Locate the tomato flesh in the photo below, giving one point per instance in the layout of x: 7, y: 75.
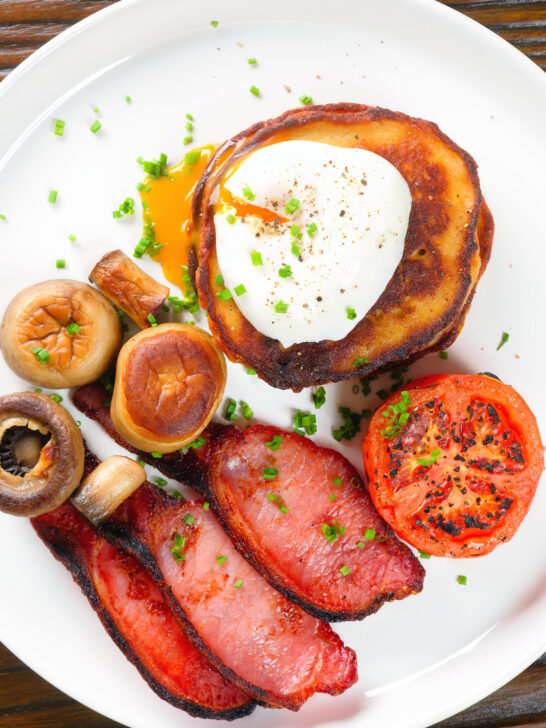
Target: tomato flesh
x: 460, y: 474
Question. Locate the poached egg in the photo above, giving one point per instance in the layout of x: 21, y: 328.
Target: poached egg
x: 308, y: 235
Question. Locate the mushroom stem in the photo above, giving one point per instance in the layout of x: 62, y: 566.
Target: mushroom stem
x: 107, y: 486
x: 136, y: 293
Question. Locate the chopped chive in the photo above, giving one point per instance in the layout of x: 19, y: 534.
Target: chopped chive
x: 307, y: 421
x: 72, y: 238
x: 295, y: 249
x: 176, y: 494
x: 369, y: 534
x: 319, y: 397
x: 250, y: 371
x: 38, y: 390
x: 277, y: 499
x: 59, y: 127
x: 305, y: 100
x: 56, y: 398
x: 3, y: 217
x: 160, y: 482
x: 333, y: 532
x: 311, y: 229
x: 462, y: 579
x: 221, y: 559
x: 52, y: 196
x: 96, y: 110
x: 291, y: 206
x: 189, y: 519
x: 252, y: 61
x: 230, y: 218
x: 256, y: 258
x: 238, y: 584
x: 358, y: 362
x: 214, y: 23
x: 189, y: 116
x: 127, y: 207
x: 285, y: 271
x: 351, y: 314
x: 350, y: 426
x: 192, y: 157
x: 198, y: 442
x: 295, y: 230
x: 361, y: 544
x: 229, y: 414
x: 156, y: 455
x: 255, y: 90
x: 128, y: 99
x: 345, y: 570
x: 431, y: 461
x: 188, y: 139
x: 141, y: 462
x: 443, y: 355
x: 224, y: 295
x: 60, y: 263
x: 73, y: 328
x: 424, y: 555
x: 281, y: 307
x: 275, y: 442
x: 337, y: 481
x: 332, y: 496
x: 248, y: 194
x: 189, y: 126
x: 246, y: 410
x: 206, y: 506
x: 95, y: 126
x: 504, y: 338
x: 269, y: 473
x: 151, y: 318
x: 240, y: 289
x: 219, y: 280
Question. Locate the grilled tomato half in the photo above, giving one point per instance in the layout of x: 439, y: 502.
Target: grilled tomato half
x: 453, y: 463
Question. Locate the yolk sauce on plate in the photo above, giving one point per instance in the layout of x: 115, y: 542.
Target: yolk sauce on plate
x: 167, y: 203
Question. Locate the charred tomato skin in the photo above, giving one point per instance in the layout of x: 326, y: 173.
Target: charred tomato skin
x: 458, y: 477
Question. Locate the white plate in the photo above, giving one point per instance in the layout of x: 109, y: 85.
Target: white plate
x: 429, y: 656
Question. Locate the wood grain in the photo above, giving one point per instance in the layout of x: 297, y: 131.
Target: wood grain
x: 28, y: 701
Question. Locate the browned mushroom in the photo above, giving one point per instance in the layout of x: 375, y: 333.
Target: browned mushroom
x: 169, y: 382
x: 136, y: 293
x: 41, y: 454
x: 60, y: 334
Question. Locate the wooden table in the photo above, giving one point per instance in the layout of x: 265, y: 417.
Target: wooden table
x: 27, y: 701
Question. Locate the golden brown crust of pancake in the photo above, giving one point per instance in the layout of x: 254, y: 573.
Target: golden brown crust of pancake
x: 426, y: 296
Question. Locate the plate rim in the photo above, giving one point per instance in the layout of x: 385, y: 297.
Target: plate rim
x: 524, y: 63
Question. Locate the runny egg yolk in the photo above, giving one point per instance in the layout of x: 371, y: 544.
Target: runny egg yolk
x: 167, y: 203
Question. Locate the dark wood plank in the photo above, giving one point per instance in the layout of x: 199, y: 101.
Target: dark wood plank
x: 521, y: 22
x: 70, y: 715
x: 521, y: 702
x: 31, y: 11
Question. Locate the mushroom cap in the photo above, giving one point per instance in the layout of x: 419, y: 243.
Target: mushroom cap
x: 170, y: 380
x: 59, y: 467
x: 39, y: 315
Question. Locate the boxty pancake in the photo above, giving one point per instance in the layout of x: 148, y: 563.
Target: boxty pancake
x: 423, y: 304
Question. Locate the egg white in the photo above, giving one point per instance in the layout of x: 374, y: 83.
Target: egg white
x: 360, y: 204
